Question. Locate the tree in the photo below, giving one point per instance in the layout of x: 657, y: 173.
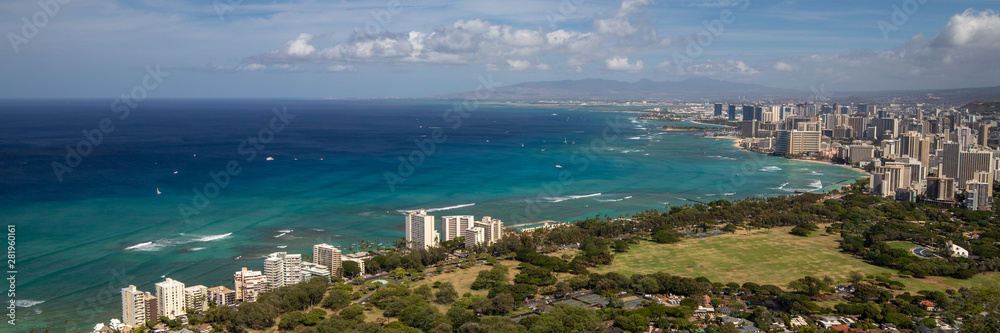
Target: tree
x: 620, y: 246
x: 351, y: 268
x: 337, y: 299
x: 666, y: 236
x: 446, y: 293
x: 354, y: 312
x: 501, y: 304
x: 809, y: 285
x: 290, y: 320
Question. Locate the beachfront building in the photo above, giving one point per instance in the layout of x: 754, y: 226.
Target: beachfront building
x: 133, y: 307
x: 196, y: 298
x: 455, y: 225
x: 329, y: 256
x: 796, y: 142
x: 493, y: 229
x: 220, y: 295
x: 170, y: 298
x: 249, y: 284
x: 282, y: 269
x: 311, y: 270
x: 420, y: 232
x: 152, y: 307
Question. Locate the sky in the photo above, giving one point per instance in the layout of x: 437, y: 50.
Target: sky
x: 414, y: 48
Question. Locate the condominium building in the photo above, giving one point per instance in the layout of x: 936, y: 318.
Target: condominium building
x: 282, y: 269
x: 474, y: 236
x: 493, y: 229
x: 221, y: 295
x: 887, y: 179
x: 249, y: 284
x: 196, y: 298
x: 329, y: 256
x: 453, y: 226
x: 420, y: 232
x: 170, y: 298
x: 797, y: 142
x: 152, y: 307
x: 133, y: 307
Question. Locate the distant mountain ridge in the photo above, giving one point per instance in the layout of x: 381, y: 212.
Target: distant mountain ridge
x: 602, y: 89
x: 695, y: 89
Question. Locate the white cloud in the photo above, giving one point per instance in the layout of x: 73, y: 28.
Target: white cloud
x: 543, y: 67
x: 783, y: 67
x: 341, y: 68
x: 622, y: 64
x: 518, y: 65
x: 479, y: 41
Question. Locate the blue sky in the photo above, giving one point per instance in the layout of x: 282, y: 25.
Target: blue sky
x: 411, y: 48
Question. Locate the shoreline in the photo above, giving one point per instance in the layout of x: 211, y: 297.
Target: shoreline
x: 707, y: 124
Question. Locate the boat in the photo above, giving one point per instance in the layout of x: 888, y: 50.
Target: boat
x: 158, y: 191
x: 269, y: 158
x: 558, y: 166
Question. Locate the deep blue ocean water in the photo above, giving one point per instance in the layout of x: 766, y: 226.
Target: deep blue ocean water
x: 334, y: 175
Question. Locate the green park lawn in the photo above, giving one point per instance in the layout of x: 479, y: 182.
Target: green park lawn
x: 765, y: 257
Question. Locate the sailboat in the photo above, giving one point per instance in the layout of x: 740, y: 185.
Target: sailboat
x: 158, y: 191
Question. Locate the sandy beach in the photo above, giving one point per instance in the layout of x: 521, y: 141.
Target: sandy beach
x: 737, y: 142
x: 828, y: 163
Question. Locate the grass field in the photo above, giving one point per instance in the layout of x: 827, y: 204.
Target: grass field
x: 902, y: 245
x: 766, y: 257
x: 462, y: 278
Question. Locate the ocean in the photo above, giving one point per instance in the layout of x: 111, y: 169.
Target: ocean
x: 193, y: 189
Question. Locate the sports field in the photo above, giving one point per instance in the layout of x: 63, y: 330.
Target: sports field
x: 766, y: 257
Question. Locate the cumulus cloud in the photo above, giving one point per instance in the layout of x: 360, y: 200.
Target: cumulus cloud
x: 622, y: 64
x: 481, y: 42
x: 518, y: 65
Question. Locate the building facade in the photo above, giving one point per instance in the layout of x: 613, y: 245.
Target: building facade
x: 420, y: 233
x: 282, y: 269
x: 249, y: 284
x: 329, y: 256
x: 170, y: 298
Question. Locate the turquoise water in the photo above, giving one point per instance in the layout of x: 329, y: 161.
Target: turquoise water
x: 105, y: 227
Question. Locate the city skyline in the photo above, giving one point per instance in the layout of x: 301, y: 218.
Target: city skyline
x: 392, y: 49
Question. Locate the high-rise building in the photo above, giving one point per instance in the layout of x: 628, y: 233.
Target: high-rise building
x: 940, y: 189
x: 797, y: 142
x: 979, y: 196
x: 249, y: 284
x: 718, y: 110
x: 861, y: 153
x: 133, y: 307
x: 420, y: 232
x: 196, y: 298
x: 493, y: 229
x: 973, y: 162
x: 897, y: 175
x: 453, y: 226
x: 748, y: 113
x: 282, y: 269
x: 474, y: 236
x: 984, y: 134
x: 329, y: 256
x: 152, y: 306
x: 170, y: 298
x: 732, y: 112
x: 950, y: 161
